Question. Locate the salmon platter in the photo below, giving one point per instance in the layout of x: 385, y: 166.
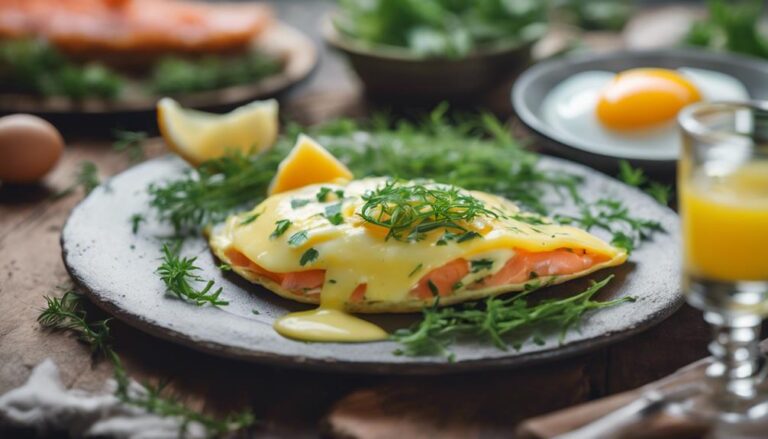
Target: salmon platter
x: 95, y: 56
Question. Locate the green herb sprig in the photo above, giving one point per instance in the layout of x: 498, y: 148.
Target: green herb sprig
x: 131, y: 143
x: 613, y: 216
x: 410, y: 211
x: 501, y: 320
x: 636, y: 177
x: 732, y: 26
x: 67, y: 314
x: 178, y: 274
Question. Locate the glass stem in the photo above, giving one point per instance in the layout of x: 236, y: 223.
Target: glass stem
x: 738, y: 366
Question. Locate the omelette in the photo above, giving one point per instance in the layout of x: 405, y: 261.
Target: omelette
x: 382, y: 245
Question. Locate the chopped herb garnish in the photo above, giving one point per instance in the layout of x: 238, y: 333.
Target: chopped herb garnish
x: 250, y: 218
x: 410, y: 210
x: 309, y: 256
x: 136, y: 220
x: 255, y: 311
x: 225, y: 267
x: 297, y: 239
x: 299, y: 202
x: 333, y: 214
x: 322, y: 194
x: 467, y: 236
x: 481, y: 264
x: 433, y: 288
x: 457, y: 285
x: 280, y: 227
x: 415, y: 270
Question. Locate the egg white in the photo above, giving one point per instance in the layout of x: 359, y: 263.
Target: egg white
x: 569, y: 109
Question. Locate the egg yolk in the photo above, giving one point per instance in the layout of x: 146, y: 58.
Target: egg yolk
x: 642, y: 98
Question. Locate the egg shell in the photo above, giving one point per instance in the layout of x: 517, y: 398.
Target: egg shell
x: 29, y: 148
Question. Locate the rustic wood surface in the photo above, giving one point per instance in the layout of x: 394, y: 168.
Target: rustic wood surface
x: 288, y: 402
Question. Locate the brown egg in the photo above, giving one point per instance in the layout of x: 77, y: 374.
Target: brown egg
x: 29, y: 148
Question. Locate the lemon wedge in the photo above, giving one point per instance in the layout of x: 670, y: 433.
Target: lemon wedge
x: 198, y: 136
x: 307, y: 163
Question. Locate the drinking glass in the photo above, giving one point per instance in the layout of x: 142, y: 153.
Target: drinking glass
x: 723, y: 194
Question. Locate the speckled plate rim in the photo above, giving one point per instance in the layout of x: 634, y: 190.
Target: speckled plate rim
x: 575, y: 63
x: 326, y: 357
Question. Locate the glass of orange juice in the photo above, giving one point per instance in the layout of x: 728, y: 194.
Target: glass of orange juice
x: 723, y: 193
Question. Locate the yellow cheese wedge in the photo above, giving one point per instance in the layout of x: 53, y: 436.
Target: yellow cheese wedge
x: 308, y: 163
x: 198, y: 136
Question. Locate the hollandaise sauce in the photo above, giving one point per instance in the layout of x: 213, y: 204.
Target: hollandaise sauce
x: 725, y: 224
x: 372, y: 246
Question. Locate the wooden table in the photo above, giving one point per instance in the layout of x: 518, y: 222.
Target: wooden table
x: 295, y: 402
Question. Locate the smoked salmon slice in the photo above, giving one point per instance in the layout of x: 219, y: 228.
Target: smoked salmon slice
x: 93, y: 27
x: 443, y: 281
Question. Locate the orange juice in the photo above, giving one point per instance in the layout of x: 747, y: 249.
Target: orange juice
x: 725, y: 224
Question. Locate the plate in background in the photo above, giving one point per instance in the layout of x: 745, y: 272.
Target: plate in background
x: 535, y: 83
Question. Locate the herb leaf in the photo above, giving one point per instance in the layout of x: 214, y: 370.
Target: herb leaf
x: 297, y: 239
x: 309, y: 256
x: 333, y: 214
x: 280, y: 227
x: 299, y: 202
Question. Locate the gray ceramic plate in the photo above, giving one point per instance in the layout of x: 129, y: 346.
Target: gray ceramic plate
x: 116, y: 268
x: 535, y: 83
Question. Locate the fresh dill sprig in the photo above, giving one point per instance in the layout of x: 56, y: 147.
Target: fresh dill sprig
x: 178, y: 274
x: 66, y: 314
x: 409, y: 211
x: 503, y: 321
x: 86, y: 177
x: 613, y: 216
x: 636, y: 177
x: 131, y: 143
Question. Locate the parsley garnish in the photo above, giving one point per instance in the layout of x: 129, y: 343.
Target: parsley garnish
x: 250, y: 218
x: 322, y: 194
x: 333, y: 214
x: 309, y: 256
x: 298, y: 239
x: 280, y: 227
x: 481, y: 264
x: 299, y: 202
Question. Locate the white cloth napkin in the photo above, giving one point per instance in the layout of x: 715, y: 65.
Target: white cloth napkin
x: 45, y: 405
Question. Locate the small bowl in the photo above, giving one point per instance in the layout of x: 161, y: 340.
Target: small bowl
x: 534, y: 84
x: 397, y: 74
